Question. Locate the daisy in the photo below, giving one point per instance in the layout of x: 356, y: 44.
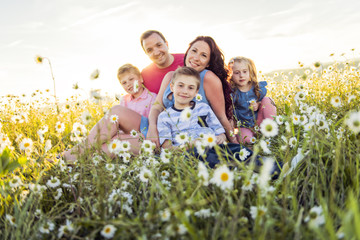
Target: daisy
x: 269, y: 128
x: 253, y: 140
x: 279, y: 120
x: 48, y: 145
x: 26, y: 145
x: 165, y: 155
x: 66, y: 229
x: 59, y: 127
x: 266, y: 171
x: 95, y: 74
x: 95, y: 95
x: 336, y: 101
x: 165, y: 215
x: 86, y: 117
x: 164, y: 174
x: 300, y: 96
x: 308, y: 126
x: 53, y: 182
x: 114, y: 146
x: 15, y: 182
x: 292, y: 142
x: 148, y: 146
x: 180, y: 229
x: 114, y: 118
x: 295, y: 119
x: 223, y: 177
x: 203, y: 174
x: 200, y: 147
x: 126, y: 157
x: 264, y: 147
x: 186, y: 114
x: 209, y: 140
x: 125, y: 146
x: 11, y: 219
x: 96, y: 159
x: 133, y: 133
x: 257, y: 211
x: 182, y: 138
x: 351, y: 97
x: 136, y: 86
x: 198, y: 97
x: 353, y: 122
x: 110, y: 167
x: 203, y: 213
x: 59, y: 193
x: 145, y: 174
x: 47, y: 227
x: 303, y: 119
x: 243, y: 154
x: 108, y: 231
x: 315, y: 217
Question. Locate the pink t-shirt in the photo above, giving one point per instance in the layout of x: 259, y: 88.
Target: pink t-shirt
x: 141, y: 104
x: 153, y: 75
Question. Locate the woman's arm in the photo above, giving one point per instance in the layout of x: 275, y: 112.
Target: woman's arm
x: 156, y: 109
x: 212, y: 84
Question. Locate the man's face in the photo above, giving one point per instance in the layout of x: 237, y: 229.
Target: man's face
x: 157, y: 50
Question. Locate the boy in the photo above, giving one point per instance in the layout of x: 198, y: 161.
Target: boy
x: 139, y: 99
x: 185, y: 85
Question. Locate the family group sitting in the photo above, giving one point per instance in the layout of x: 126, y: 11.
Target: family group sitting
x: 193, y: 93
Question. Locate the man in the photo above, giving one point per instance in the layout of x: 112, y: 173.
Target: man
x: 157, y: 48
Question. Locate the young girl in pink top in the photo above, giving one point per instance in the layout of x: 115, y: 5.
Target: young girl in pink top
x: 137, y: 101
x: 251, y: 106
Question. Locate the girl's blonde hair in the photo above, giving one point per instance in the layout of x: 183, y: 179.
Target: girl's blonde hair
x: 252, y: 72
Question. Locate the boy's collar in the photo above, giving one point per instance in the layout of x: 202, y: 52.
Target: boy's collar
x: 179, y: 110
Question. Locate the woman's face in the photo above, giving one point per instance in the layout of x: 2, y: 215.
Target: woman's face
x: 198, y: 56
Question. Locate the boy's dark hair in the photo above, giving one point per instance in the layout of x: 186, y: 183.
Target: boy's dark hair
x: 147, y: 34
x: 126, y: 68
x: 187, y: 71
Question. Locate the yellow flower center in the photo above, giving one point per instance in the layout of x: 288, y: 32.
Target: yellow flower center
x: 224, y: 177
x: 113, y: 146
x: 26, y: 145
x: 107, y: 230
x: 210, y: 139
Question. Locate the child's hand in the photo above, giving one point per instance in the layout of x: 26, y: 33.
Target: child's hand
x: 220, y: 138
x: 254, y: 106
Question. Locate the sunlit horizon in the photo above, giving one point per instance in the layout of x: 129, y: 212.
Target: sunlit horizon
x: 85, y: 36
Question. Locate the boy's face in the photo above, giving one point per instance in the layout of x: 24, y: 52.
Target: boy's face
x: 131, y: 82
x: 185, y: 89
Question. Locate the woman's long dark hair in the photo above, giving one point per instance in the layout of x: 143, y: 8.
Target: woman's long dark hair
x: 217, y: 66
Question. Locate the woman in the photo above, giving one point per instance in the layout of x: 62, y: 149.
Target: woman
x: 205, y: 57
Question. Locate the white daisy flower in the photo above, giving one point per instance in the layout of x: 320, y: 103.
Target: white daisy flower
x: 110, y: 167
x: 95, y: 95
x: 300, y: 96
x: 223, y: 178
x: 26, y: 145
x: 66, y: 229
x: 59, y: 193
x: 182, y: 138
x: 315, y: 217
x: 186, y: 114
x: 125, y: 146
x: 48, y: 145
x: 203, y: 213
x: 198, y: 97
x: 279, y: 119
x: 303, y: 119
x: 86, y: 117
x: 148, y: 147
x: 351, y: 97
x: 266, y: 170
x: 47, y: 227
x: 203, y: 174
x: 108, y: 231
x: 53, y: 182
x: 136, y: 86
x: 269, y: 128
x: 145, y: 174
x: 264, y: 146
x: 165, y: 215
x: 15, y: 182
x: 209, y: 140
x: 115, y: 146
x: 133, y: 133
x: 353, y: 122
x: 243, y: 154
x: 295, y: 119
x: 257, y: 211
x: 336, y: 101
x: 114, y: 118
x: 59, y: 127
x: 165, y: 155
x: 11, y: 219
x: 200, y: 147
x: 292, y: 142
x: 253, y: 140
x: 164, y: 174
x: 95, y: 74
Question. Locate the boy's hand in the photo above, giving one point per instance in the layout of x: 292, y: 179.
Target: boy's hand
x: 220, y: 138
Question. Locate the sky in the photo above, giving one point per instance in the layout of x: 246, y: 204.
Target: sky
x: 83, y: 35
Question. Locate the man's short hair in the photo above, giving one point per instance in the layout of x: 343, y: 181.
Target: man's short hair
x: 147, y: 34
